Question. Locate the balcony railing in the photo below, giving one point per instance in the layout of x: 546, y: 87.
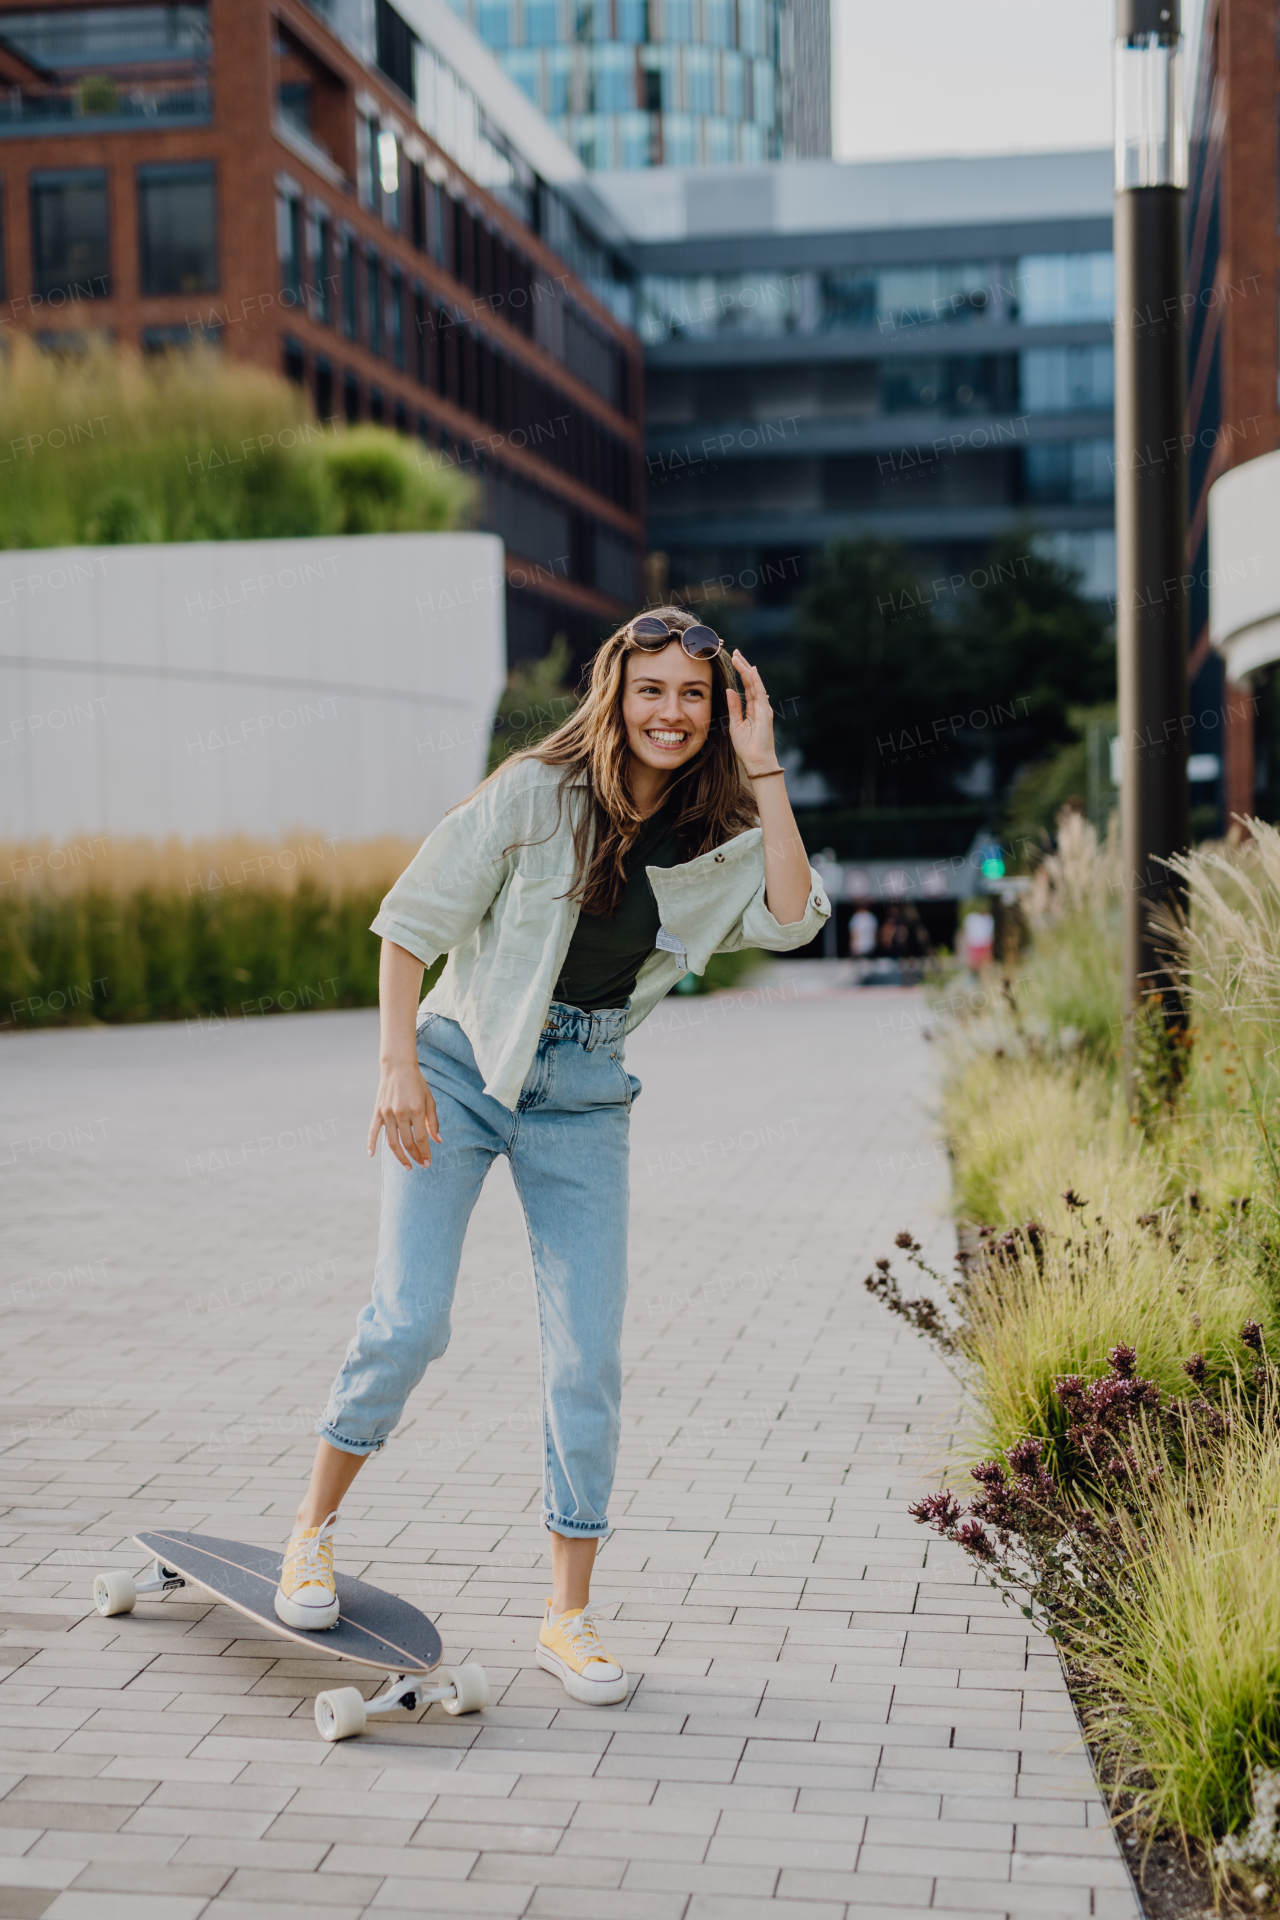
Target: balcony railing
x: 95, y: 102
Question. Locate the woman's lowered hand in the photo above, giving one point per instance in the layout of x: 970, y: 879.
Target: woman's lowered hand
x: 406, y: 1111
x: 404, y: 1106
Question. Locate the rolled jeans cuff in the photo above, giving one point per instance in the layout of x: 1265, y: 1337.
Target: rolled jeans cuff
x: 576, y: 1529
x: 343, y: 1445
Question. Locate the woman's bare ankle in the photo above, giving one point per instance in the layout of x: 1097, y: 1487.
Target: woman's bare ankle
x: 309, y: 1515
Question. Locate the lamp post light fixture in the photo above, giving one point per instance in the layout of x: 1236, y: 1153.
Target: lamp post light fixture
x: 1151, y: 478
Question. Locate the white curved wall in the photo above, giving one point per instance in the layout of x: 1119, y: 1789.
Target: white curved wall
x: 1244, y: 565
x: 254, y: 686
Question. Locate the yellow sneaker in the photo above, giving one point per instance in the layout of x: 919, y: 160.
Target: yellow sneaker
x: 307, y: 1596
x: 569, y: 1647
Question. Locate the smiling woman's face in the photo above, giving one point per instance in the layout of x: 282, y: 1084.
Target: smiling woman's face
x: 666, y: 706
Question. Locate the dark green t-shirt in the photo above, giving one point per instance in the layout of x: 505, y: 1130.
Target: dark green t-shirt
x: 607, y: 951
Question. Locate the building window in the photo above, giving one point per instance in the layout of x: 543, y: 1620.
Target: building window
x: 395, y: 42
x: 295, y: 361
x: 165, y: 339
x: 1070, y: 471
x: 438, y: 204
x: 395, y: 314
x: 177, y: 229
x: 1065, y: 287
x: 389, y: 178
x: 417, y: 207
x: 289, y: 247
x: 366, y: 161
x: 402, y: 417
x: 70, y: 247
x: 615, y: 565
x: 375, y: 303
x: 718, y: 22
x: 350, y: 301
x: 324, y: 390
x: 699, y: 81
x: 320, y: 248
x: 350, y: 397
x: 375, y: 405
x: 542, y: 22
x: 751, y: 32
x: 1066, y: 379
x: 420, y: 334
x: 494, y: 22
x: 295, y: 106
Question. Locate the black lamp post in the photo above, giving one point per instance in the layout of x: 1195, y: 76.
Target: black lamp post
x: 1151, y: 474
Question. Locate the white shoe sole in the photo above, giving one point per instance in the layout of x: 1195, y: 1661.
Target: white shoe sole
x: 307, y: 1619
x: 590, y: 1693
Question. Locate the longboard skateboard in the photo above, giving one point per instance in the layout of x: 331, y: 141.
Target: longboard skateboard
x: 374, y: 1629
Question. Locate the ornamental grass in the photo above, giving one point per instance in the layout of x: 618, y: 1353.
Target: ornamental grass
x: 1115, y: 1318
x: 126, y: 930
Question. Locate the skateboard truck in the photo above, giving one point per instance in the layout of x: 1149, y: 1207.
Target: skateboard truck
x: 118, y: 1592
x: 344, y: 1710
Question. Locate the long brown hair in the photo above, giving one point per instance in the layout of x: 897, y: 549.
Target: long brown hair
x: 592, y: 749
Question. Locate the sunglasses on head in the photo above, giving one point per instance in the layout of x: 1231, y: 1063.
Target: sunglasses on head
x: 652, y: 634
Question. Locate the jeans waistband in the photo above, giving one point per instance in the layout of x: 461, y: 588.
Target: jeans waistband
x: 590, y: 1030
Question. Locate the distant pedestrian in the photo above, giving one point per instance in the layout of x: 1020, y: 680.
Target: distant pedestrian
x: 979, y: 938
x: 917, y: 932
x: 893, y: 939
x: 863, y: 929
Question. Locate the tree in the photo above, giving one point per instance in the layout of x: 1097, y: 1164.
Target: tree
x: 537, y: 698
x: 871, y: 663
x: 903, y: 687
x: 1031, y: 642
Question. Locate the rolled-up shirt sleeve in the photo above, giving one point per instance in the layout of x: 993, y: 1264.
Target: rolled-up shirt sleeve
x: 453, y: 879
x: 758, y: 928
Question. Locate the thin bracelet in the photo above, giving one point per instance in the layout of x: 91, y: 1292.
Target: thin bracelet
x: 766, y: 776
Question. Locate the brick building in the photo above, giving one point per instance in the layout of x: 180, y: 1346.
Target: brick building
x: 360, y: 198
x: 1233, y: 255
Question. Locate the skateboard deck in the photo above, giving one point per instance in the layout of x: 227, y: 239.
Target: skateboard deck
x: 374, y: 1628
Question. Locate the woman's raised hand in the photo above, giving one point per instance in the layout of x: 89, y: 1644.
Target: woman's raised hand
x: 751, y: 720
x: 405, y: 1109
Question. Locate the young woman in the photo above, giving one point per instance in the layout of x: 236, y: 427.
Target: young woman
x: 570, y: 892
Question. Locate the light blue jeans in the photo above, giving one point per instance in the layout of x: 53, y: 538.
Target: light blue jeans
x: 567, y: 1142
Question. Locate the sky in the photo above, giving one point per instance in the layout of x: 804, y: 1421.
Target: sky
x: 915, y: 77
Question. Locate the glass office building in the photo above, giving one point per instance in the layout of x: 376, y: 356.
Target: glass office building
x: 647, y: 83
x: 915, y: 349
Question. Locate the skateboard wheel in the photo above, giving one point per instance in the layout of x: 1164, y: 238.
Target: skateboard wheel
x: 340, y: 1714
x: 471, y: 1688
x: 114, y: 1593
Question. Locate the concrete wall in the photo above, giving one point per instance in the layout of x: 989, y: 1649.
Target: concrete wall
x: 1244, y: 565
x: 342, y: 685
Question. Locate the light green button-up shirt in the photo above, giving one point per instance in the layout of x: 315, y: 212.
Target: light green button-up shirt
x: 489, y: 887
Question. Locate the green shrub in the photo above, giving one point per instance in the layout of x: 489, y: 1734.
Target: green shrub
x: 109, y: 448
x: 723, y: 971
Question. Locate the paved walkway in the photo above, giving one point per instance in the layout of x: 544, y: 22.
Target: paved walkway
x: 829, y: 1717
